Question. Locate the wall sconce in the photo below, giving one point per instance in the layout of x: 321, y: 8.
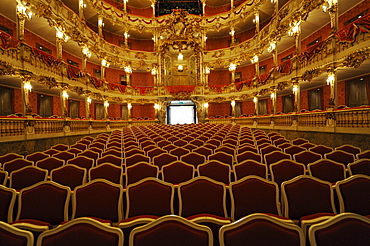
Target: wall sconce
x: 65, y: 94
x: 256, y: 18
x: 206, y: 105
x: 295, y: 88
x: 61, y: 35
x: 129, y: 106
x: 154, y: 71
x: 329, y: 4
x: 232, y: 67
x: 126, y: 35
x: 156, y: 105
x: 273, y: 1
x: 255, y: 99
x: 104, y: 63
x: 180, y: 68
x: 254, y: 59
x: 232, y: 32
x: 271, y: 47
x: 27, y: 85
x: 100, y: 22
x: 82, y: 4
x: 22, y: 9
x: 233, y: 103
x: 128, y: 69
x: 207, y: 70
x: 272, y: 95
x: 295, y: 28
x: 331, y: 79
x: 86, y: 52
x: 180, y: 57
x: 106, y: 104
x: 89, y: 100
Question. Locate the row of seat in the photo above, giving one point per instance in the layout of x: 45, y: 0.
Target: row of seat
x: 256, y: 229
x: 201, y: 200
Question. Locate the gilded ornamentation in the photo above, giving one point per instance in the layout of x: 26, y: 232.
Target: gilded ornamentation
x: 50, y: 82
x: 6, y: 68
x: 357, y: 58
x: 141, y: 56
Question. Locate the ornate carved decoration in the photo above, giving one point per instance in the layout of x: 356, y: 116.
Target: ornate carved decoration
x: 47, y: 81
x: 6, y: 69
x: 357, y: 58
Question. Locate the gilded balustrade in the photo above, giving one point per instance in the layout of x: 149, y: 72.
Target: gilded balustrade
x: 283, y: 120
x: 263, y: 121
x: 312, y: 119
x: 78, y: 125
x: 12, y: 126
x: 358, y: 118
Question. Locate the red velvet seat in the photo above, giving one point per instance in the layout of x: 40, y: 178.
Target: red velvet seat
x: 222, y: 157
x: 50, y: 163
x: 139, y: 171
x: 171, y: 230
x: 69, y: 175
x: 100, y: 199
x: 42, y: 205
x: 285, y: 170
x: 3, y: 177
x: 110, y: 159
x: 248, y: 155
x: 340, y: 156
x: 260, y: 230
x: 37, y: 156
x: 306, y: 157
x: 7, y: 201
x: 275, y: 157
x: 107, y: 171
x: 164, y: 159
x: 132, y: 160
x: 349, y: 149
x: 60, y: 147
x: 194, y: 159
x: 90, y: 154
x: 27, y: 176
x: 354, y: 194
x: 82, y: 161
x: 363, y: 155
x: 82, y: 231
x: 64, y: 155
x: 294, y: 150
x: 12, y: 236
x: 361, y: 166
x: 112, y: 152
x: 299, y: 141
x: 216, y: 170
x: 177, y: 172
x: 16, y: 164
x: 250, y: 167
x: 341, y: 230
x: 179, y: 151
x: 327, y: 170
x: 321, y: 149
x: 254, y: 194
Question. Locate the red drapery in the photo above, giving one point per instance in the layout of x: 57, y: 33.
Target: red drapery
x: 47, y: 58
x: 285, y: 67
x: 74, y: 72
x: 7, y: 41
x: 218, y: 88
x: 143, y: 90
x: 180, y: 88
x: 96, y: 82
x: 348, y: 34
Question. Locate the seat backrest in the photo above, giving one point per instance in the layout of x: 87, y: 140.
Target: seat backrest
x: 170, y: 230
x: 69, y: 175
x: 321, y: 149
x: 149, y: 196
x: 139, y: 171
x: 327, y: 170
x: 27, y: 176
x: 306, y: 195
x: 3, y: 177
x: 194, y: 159
x: 60, y: 147
x: 294, y: 150
x: 353, y: 194
x: 90, y: 154
x: 79, y: 145
x: 246, y: 147
x: 179, y: 152
x: 10, y: 157
x: 363, y: 155
x: 254, y: 194
x: 16, y: 164
x: 285, y: 170
x: 276, y: 156
x: 341, y: 230
x: 112, y: 152
x: 155, y: 152
x: 132, y: 152
x: 225, y: 149
x: 82, y: 161
x: 216, y: 170
x: 64, y: 155
x: 177, y: 172
x: 202, y: 195
x: 7, y: 200
x: 361, y: 166
x: 99, y: 198
x: 261, y: 229
x: 349, y: 149
x: 110, y: 159
x: 45, y: 201
x: 164, y: 159
x: 306, y: 157
x: 11, y: 235
x: 132, y: 160
x: 50, y: 163
x: 250, y: 167
x: 36, y: 156
x: 248, y: 155
x: 106, y: 171
x: 299, y: 141
x: 82, y: 231
x: 340, y: 156
x: 222, y: 157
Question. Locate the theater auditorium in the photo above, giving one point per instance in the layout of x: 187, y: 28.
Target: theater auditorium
x: 184, y: 122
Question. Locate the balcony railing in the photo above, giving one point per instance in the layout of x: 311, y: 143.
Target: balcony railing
x: 22, y: 128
